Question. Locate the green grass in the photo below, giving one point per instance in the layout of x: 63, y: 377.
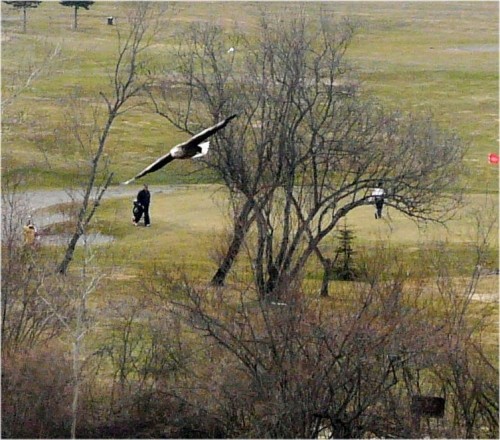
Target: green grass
x: 417, y: 56
x: 191, y: 222
x: 410, y: 55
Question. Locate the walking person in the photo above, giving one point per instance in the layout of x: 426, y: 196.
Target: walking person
x: 143, y: 199
x: 378, y: 195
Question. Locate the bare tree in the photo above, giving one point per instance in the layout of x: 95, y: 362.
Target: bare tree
x: 341, y: 369
x: 215, y: 83
x: 126, y: 83
x: 303, y: 369
x: 26, y: 279
x: 308, y: 146
x: 468, y: 372
x: 86, y: 284
x: 37, y: 305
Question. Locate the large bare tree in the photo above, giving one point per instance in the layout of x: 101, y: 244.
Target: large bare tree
x: 309, y: 146
x: 126, y: 84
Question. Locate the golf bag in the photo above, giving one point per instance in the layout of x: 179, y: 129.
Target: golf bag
x: 137, y: 211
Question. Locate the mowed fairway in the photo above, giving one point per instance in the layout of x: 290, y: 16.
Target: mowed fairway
x: 190, y: 223
x: 417, y: 56
x: 440, y: 57
x: 186, y: 223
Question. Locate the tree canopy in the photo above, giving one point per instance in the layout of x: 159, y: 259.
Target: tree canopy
x: 309, y: 145
x: 24, y: 5
x: 77, y: 4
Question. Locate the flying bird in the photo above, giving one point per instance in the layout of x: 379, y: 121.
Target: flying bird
x: 191, y: 149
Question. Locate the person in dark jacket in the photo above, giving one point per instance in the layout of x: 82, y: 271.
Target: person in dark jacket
x: 143, y: 199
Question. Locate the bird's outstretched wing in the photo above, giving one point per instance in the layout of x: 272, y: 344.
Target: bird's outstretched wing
x: 156, y: 165
x: 194, y: 142
x: 205, y: 134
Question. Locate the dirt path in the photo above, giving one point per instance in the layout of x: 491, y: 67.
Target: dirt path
x: 40, y: 200
x: 37, y: 203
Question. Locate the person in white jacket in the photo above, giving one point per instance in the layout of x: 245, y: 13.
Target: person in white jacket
x: 378, y: 195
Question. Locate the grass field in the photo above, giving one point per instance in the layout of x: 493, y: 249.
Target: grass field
x: 436, y: 56
x: 190, y: 223
x: 417, y: 56
x: 433, y: 56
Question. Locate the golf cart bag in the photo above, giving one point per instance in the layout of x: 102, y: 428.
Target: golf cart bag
x: 137, y: 211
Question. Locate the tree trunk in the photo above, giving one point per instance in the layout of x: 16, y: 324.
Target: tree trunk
x: 273, y: 284
x: 70, y: 250
x: 241, y: 226
x: 86, y: 213
x: 24, y: 20
x: 75, y: 23
x: 327, y: 271
x: 76, y: 385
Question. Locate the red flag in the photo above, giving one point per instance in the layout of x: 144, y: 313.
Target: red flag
x: 493, y: 158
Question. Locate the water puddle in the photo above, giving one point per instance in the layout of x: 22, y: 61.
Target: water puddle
x: 38, y: 204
